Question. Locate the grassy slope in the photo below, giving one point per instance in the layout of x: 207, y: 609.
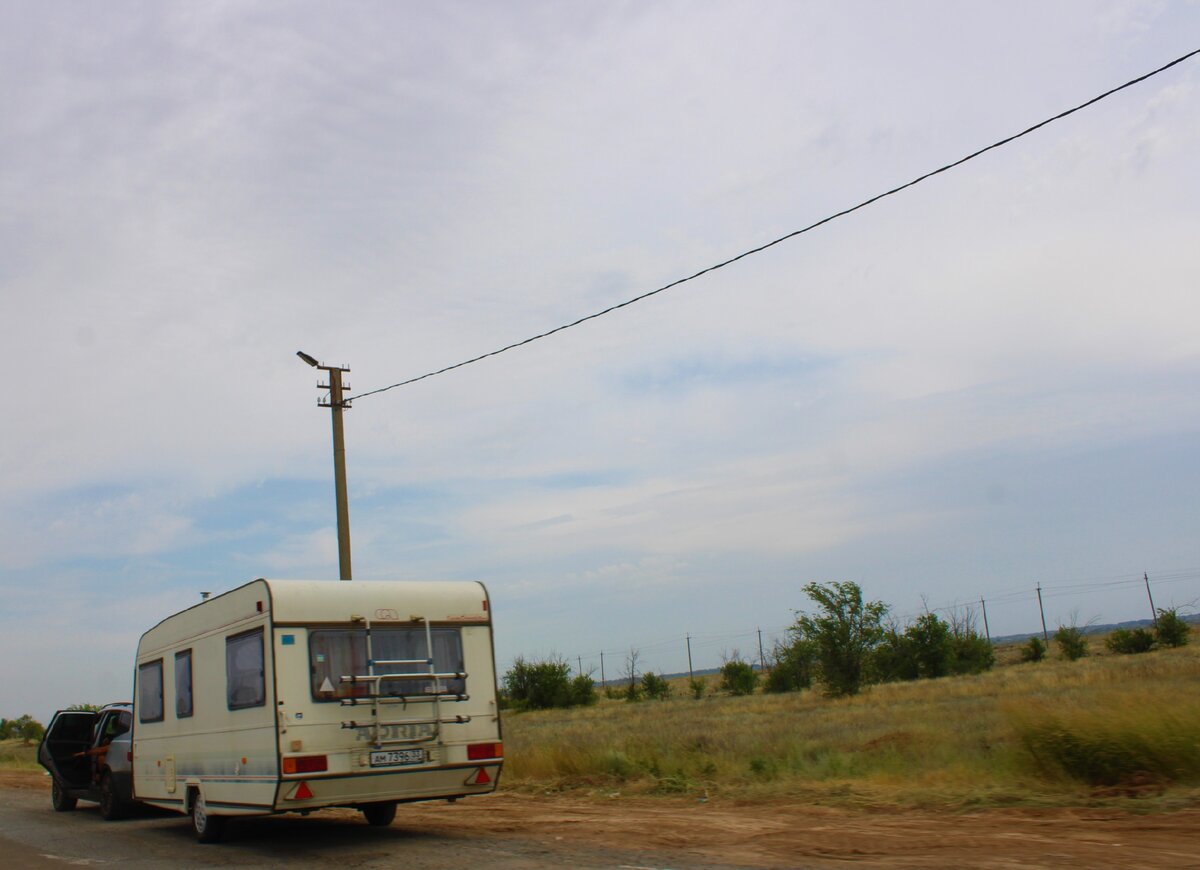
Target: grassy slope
x: 1021, y: 734
x: 15, y: 755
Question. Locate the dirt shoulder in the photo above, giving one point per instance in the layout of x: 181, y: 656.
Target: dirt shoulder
x: 792, y: 835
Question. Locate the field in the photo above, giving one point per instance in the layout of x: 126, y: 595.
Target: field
x: 1108, y: 730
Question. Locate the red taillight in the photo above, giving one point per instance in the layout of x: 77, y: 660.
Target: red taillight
x: 478, y: 751
x: 306, y: 764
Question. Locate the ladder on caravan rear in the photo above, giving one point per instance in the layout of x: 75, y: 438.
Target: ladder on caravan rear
x: 381, y: 733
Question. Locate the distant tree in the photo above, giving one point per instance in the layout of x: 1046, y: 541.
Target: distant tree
x: 846, y: 631
x: 5, y: 729
x: 1033, y: 650
x: 27, y: 728
x: 1171, y: 631
x: 931, y: 647
x: 91, y: 708
x: 1126, y: 641
x: 633, y: 690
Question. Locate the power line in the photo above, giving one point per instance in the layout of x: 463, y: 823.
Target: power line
x: 784, y: 238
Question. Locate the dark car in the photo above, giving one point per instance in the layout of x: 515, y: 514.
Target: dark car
x: 89, y: 755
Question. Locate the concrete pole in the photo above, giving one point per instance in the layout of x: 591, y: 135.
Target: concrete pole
x: 336, y: 404
x: 1042, y: 611
x: 1153, y: 612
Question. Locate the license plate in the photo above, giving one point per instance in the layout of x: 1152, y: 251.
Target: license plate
x: 397, y: 757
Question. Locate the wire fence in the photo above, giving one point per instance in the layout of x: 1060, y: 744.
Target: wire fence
x: 706, y: 651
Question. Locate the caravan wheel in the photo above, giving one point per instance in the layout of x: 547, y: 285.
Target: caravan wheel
x: 59, y: 799
x: 379, y: 815
x: 208, y: 828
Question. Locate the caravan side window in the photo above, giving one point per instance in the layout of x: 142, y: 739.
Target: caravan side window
x: 244, y: 680
x: 183, y: 684
x: 150, y: 691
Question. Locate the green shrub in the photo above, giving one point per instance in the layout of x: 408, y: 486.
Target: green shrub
x: 1171, y: 630
x: 1033, y: 650
x: 697, y: 686
x: 655, y: 687
x: 738, y: 677
x: 1130, y: 642
x: 1072, y: 645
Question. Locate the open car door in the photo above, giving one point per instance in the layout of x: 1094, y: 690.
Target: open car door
x: 68, y: 736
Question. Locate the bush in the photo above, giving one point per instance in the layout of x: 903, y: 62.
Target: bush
x: 1129, y: 642
x: 697, y: 686
x: 1171, y: 630
x: 583, y: 690
x: 1034, y: 650
x: 540, y: 685
x: 846, y: 631
x: 655, y: 687
x: 1072, y: 645
x: 792, y: 666
x: 738, y: 677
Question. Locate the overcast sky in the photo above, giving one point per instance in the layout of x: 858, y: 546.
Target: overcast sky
x: 983, y: 383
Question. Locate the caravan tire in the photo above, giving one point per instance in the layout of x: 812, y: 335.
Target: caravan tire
x: 208, y: 828
x: 379, y: 815
x: 59, y: 799
x: 111, y: 805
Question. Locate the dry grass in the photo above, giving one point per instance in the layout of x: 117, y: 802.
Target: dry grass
x: 988, y: 739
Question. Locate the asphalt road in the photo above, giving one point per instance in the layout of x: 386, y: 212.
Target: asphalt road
x: 32, y: 835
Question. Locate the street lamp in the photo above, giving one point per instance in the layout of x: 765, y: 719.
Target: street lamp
x: 336, y: 402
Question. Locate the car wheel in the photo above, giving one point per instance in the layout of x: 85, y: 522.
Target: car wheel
x: 208, y: 828
x: 379, y: 815
x: 111, y: 805
x: 59, y: 799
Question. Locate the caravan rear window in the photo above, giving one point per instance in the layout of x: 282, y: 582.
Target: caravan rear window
x: 337, y: 653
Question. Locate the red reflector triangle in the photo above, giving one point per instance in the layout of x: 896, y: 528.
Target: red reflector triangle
x: 302, y: 793
x: 482, y: 777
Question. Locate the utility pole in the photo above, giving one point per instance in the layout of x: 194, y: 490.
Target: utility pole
x: 691, y: 676
x: 1153, y: 612
x: 579, y: 659
x: 1041, y: 610
x: 986, y: 630
x: 762, y: 662
x: 602, y: 667
x: 336, y: 402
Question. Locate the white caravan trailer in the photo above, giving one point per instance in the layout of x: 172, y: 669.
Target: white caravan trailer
x: 291, y: 695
